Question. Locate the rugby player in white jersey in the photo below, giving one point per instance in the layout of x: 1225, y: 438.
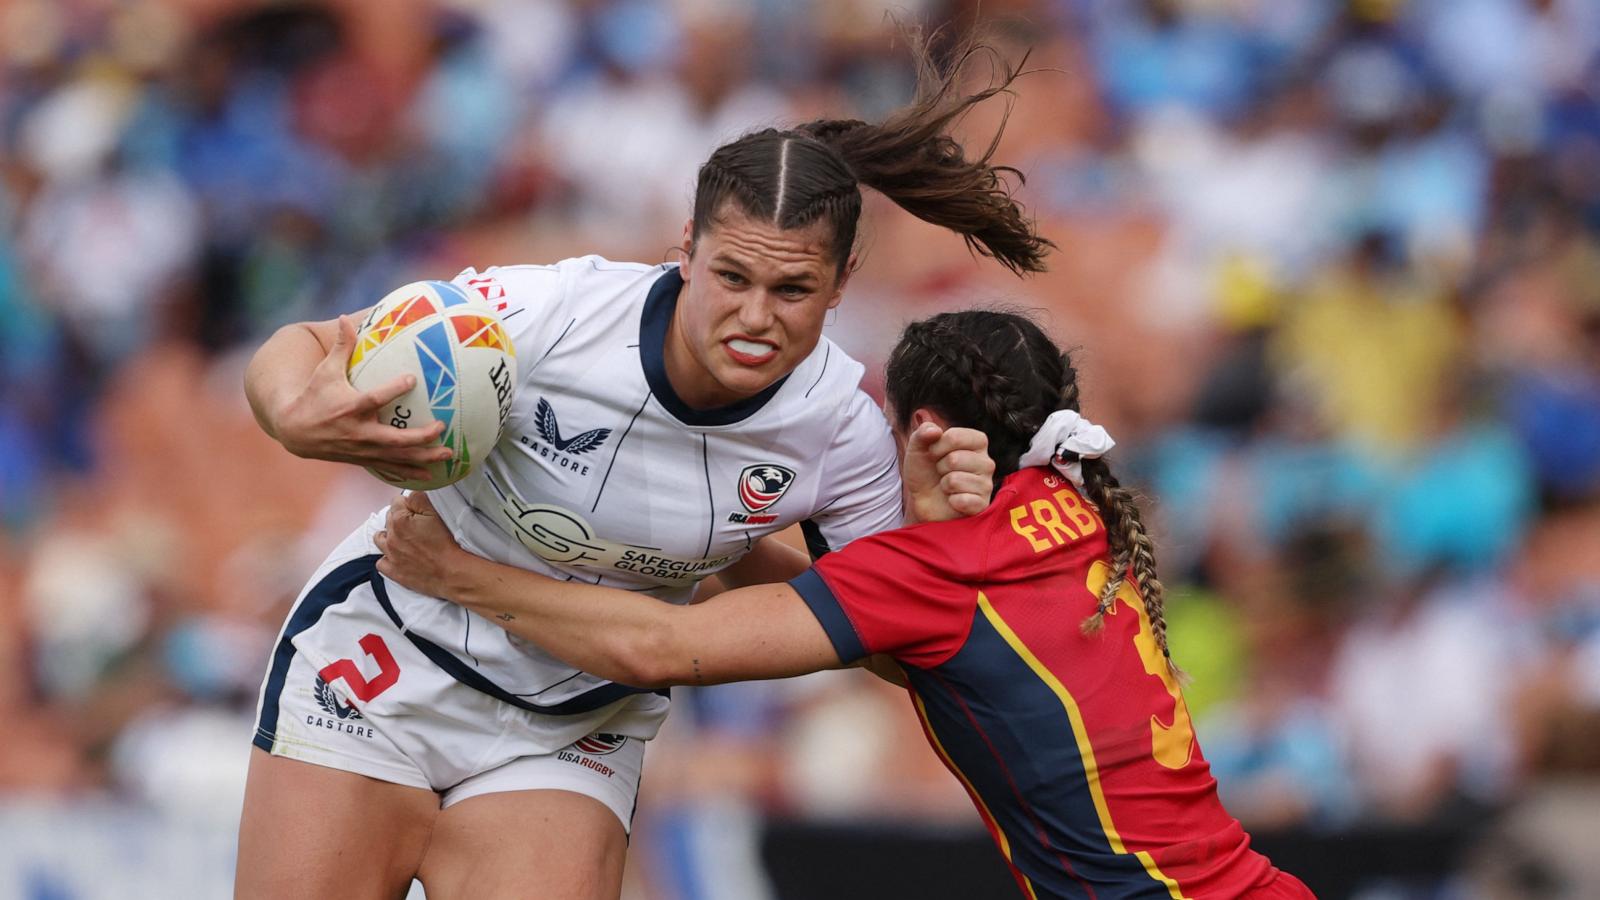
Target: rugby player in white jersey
x: 668, y: 419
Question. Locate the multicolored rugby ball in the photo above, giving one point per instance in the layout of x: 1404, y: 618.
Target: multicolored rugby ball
x: 464, y: 363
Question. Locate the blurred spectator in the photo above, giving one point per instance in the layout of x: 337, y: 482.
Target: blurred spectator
x: 1422, y: 691
x: 1334, y: 266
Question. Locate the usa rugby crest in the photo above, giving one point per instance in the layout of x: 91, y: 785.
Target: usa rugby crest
x: 762, y: 484
x: 600, y: 743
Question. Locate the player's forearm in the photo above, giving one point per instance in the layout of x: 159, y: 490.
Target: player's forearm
x: 278, y: 372
x: 617, y: 635
x: 771, y: 561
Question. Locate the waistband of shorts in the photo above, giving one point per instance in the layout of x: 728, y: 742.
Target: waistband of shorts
x: 452, y: 665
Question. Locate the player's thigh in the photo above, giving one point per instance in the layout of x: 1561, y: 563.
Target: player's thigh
x: 552, y: 844
x: 313, y: 831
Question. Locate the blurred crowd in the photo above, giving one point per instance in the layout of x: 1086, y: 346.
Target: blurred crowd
x: 1331, y: 269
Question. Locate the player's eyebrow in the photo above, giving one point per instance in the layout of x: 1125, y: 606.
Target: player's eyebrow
x: 725, y: 258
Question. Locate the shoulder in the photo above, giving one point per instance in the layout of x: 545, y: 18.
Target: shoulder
x: 829, y: 377
x: 514, y: 281
x: 958, y: 547
x: 583, y: 286
x: 826, y: 387
x: 952, y: 549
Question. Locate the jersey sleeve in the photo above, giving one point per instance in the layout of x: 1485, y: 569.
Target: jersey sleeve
x: 909, y: 593
x: 861, y: 478
x: 531, y: 301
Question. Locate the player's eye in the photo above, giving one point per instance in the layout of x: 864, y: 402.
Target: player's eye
x: 793, y: 292
x: 732, y: 278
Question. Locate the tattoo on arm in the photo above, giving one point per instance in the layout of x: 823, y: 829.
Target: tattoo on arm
x: 505, y: 617
x: 698, y: 678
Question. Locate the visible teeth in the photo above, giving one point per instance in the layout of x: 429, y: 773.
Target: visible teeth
x: 751, y: 348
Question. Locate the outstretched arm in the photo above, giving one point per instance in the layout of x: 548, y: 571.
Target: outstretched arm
x: 301, y: 397
x: 765, y: 631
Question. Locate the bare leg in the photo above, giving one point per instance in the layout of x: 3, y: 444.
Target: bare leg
x: 552, y: 844
x: 312, y: 831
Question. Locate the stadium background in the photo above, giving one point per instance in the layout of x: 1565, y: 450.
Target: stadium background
x: 1333, y: 271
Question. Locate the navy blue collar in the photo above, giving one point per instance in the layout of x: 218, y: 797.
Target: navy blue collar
x: 659, y: 306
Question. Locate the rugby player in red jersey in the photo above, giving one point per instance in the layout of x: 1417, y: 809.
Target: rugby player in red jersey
x: 1031, y: 635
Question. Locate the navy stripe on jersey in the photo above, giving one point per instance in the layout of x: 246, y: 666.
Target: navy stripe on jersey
x: 559, y: 339
x: 332, y: 589
x: 466, y: 639
x: 827, y: 353
x: 658, y: 308
x: 615, y: 449
x: 1007, y: 732
x: 460, y: 671
x: 711, y: 501
x: 817, y: 595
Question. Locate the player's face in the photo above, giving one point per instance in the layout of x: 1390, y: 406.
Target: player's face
x: 753, y: 302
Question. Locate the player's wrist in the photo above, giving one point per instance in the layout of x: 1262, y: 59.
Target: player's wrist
x: 467, y: 579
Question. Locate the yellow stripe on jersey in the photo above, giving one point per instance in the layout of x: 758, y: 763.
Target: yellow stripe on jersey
x: 1085, y: 749
x: 1005, y: 845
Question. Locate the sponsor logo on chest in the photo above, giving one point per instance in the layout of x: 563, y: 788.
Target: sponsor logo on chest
x: 566, y: 453
x: 563, y: 537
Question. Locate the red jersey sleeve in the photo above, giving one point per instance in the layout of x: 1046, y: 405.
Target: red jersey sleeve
x: 909, y: 593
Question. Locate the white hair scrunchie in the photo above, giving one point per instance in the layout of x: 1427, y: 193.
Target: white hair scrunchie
x: 1067, y: 431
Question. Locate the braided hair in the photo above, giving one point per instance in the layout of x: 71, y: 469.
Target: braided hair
x: 999, y: 373
x: 814, y: 172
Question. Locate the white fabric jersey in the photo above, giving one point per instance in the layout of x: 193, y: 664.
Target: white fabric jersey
x: 604, y: 475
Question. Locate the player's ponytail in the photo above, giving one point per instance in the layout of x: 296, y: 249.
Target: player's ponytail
x: 998, y: 372
x: 796, y: 177
x: 911, y: 159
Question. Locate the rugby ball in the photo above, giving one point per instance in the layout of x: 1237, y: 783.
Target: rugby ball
x: 452, y: 341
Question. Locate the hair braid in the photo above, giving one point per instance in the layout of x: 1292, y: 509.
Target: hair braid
x: 1001, y: 396
x: 1131, y: 547
x: 998, y: 372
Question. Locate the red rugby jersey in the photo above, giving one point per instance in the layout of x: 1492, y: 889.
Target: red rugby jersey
x: 1077, y: 750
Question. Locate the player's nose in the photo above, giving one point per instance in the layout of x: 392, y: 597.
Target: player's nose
x: 755, y: 313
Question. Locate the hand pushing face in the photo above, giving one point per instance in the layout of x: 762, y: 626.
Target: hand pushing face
x: 753, y: 303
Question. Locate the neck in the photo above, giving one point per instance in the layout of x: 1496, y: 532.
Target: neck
x: 689, y: 380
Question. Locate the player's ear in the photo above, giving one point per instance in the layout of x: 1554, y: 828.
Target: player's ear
x: 686, y: 246
x: 838, y: 289
x: 923, y: 415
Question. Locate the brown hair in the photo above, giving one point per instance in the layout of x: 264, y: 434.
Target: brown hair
x: 998, y: 372
x: 813, y: 172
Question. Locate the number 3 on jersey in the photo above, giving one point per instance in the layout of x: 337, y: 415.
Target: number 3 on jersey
x: 1173, y: 744
x: 364, y: 690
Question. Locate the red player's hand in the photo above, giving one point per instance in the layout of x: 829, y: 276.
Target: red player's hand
x: 947, y: 473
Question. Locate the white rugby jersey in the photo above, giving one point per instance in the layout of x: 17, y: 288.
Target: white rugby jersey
x: 604, y: 475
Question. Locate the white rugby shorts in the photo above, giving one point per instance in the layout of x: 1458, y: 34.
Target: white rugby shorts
x: 347, y: 688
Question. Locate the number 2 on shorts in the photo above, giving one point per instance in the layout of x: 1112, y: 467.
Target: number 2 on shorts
x: 364, y: 690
